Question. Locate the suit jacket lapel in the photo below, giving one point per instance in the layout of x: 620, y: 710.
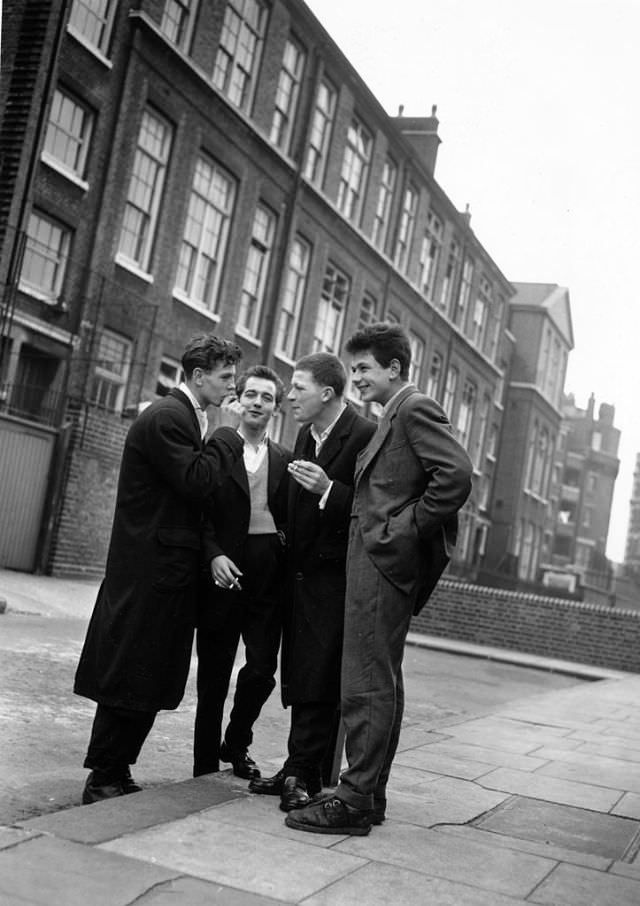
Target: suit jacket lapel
x: 366, y: 456
x: 333, y: 444
x: 184, y: 399
x: 239, y: 475
x: 277, y: 468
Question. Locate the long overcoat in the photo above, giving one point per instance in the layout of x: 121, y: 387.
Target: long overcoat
x: 138, y: 645
x: 313, y: 626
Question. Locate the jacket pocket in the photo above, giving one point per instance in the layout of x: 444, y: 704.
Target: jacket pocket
x: 177, y: 558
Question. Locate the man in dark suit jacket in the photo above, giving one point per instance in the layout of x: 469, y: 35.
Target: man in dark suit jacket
x: 410, y: 482
x: 137, y: 651
x: 319, y: 506
x: 244, y: 538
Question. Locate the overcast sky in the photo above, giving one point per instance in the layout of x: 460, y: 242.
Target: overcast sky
x: 540, y: 127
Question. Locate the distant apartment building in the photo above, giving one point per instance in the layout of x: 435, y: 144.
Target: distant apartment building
x: 172, y: 168
x: 587, y: 465
x: 521, y: 535
x: 632, y: 546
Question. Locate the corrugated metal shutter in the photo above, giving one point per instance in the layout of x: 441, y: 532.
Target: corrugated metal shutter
x: 25, y: 459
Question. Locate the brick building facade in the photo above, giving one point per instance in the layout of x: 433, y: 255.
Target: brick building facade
x: 221, y: 166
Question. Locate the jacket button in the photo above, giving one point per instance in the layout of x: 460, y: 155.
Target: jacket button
x: 299, y: 575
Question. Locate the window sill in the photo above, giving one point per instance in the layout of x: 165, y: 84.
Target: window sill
x: 64, y: 171
x: 179, y: 296
x: 133, y: 268
x: 284, y: 358
x: 39, y: 294
x: 93, y: 50
x: 255, y: 341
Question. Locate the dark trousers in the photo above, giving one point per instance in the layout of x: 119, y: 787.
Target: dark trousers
x: 255, y: 615
x: 117, y: 735
x: 377, y: 618
x: 311, y: 739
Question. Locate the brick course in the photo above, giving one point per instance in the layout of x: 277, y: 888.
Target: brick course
x: 550, y: 627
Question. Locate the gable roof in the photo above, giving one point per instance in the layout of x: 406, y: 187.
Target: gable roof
x: 549, y: 297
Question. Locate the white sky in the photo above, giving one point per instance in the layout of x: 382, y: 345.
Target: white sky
x: 540, y: 128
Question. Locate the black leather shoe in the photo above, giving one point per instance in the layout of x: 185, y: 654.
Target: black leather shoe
x: 268, y: 786
x: 273, y: 786
x: 128, y: 783
x: 97, y: 792
x: 243, y: 765
x: 294, y: 794
x: 331, y: 815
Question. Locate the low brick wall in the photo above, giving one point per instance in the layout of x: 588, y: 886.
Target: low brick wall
x: 551, y: 627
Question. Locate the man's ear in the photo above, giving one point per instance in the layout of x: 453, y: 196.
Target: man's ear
x: 327, y: 393
x: 395, y: 368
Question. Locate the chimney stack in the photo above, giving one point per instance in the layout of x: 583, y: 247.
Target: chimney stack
x: 422, y: 133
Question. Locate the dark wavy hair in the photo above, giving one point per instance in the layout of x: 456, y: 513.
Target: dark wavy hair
x: 385, y: 342
x: 207, y: 351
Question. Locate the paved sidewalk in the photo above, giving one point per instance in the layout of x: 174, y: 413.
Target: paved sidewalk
x: 538, y: 802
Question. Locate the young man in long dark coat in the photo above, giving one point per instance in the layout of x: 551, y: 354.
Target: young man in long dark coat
x: 136, y: 655
x: 319, y: 510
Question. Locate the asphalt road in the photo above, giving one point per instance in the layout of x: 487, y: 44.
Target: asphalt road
x: 44, y: 727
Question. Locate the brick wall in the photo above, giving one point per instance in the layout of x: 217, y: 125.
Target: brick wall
x: 83, y: 527
x: 550, y: 627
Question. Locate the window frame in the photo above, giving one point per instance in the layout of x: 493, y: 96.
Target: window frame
x: 110, y: 379
x: 191, y: 271
x: 331, y: 310
x: 145, y: 229
x: 82, y: 139
x: 354, y: 172
x: 260, y: 250
x: 51, y: 290
x: 295, y: 288
x: 184, y: 32
x: 241, y: 96
x: 382, y: 218
x: 77, y: 27
x: 321, y: 124
x: 281, y: 133
x: 406, y: 227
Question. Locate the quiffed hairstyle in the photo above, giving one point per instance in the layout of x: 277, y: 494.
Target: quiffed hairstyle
x: 207, y: 351
x: 385, y: 342
x: 264, y: 372
x: 326, y: 370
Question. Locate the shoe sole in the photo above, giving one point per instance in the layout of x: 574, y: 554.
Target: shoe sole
x: 314, y: 829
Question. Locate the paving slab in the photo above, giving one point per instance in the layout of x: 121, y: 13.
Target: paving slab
x: 46, y: 871
x: 11, y: 836
x: 417, y: 735
x: 195, y: 892
x: 553, y: 789
x: 511, y: 735
x: 445, y: 800
x: 424, y: 758
x: 486, y: 755
x: 380, y: 885
x: 573, y: 828
x: 547, y: 850
x: 630, y: 752
x: 628, y: 806
x: 438, y: 855
x: 599, y: 770
x: 626, y: 869
x: 252, y: 861
x: 569, y: 885
x: 114, y: 817
x: 261, y: 814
